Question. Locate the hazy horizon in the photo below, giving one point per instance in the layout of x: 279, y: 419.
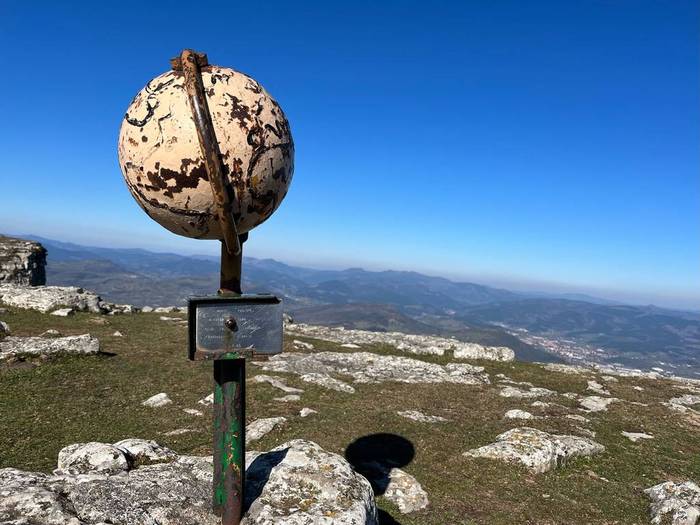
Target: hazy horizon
x: 523, y: 285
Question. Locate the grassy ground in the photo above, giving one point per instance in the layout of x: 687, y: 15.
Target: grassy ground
x: 68, y: 400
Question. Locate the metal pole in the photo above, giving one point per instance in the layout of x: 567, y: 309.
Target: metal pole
x: 229, y: 413
x: 229, y: 370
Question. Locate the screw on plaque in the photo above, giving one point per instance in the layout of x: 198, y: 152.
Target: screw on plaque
x: 231, y: 324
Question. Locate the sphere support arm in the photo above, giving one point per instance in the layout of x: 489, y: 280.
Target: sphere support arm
x: 190, y: 63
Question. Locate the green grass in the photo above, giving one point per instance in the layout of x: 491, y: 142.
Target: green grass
x: 68, y: 400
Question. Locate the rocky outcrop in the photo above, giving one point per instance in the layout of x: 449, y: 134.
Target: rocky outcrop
x: 22, y: 262
x: 12, y: 348
x: 50, y: 298
x: 365, y: 367
x: 98, y: 483
x: 59, y: 300
x: 679, y: 502
x: 414, y: 344
x: 536, y: 450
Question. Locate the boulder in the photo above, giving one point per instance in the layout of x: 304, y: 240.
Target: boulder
x: 536, y: 450
x: 397, y: 486
x: 365, y: 367
x: 28, y: 347
x: 4, y: 328
x: 299, y: 483
x: 679, y: 502
x: 22, y: 262
x: 410, y: 343
x: 49, y: 298
x: 296, y: 483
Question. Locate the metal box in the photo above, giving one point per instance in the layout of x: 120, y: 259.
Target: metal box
x: 246, y: 325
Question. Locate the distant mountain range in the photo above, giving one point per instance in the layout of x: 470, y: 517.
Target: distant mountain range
x: 402, y: 301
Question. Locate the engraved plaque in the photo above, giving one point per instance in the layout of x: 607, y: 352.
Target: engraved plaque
x: 248, y: 325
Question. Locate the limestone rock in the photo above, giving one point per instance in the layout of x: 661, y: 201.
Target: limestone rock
x: 22, y: 262
x: 48, y: 298
x: 23, y: 347
x: 687, y: 400
x: 306, y: 412
x: 365, y: 367
x: 261, y: 427
x: 147, y: 309
x: 636, y: 436
x: 537, y: 450
x: 328, y: 382
x: 679, y: 501
x: 288, y: 398
x: 63, y: 312
x: 596, y: 403
x: 117, y: 334
x: 405, y: 492
x: 206, y: 401
x: 145, y: 451
x: 566, y: 369
x: 396, y: 485
x: 157, y: 401
x: 411, y: 343
x: 415, y: 415
x: 277, y: 383
x: 296, y: 483
x: 192, y: 412
x: 596, y: 387
x: 518, y: 414
x: 4, y: 328
x: 532, y: 392
x: 302, y: 344
x: 352, y: 346
x: 86, y: 458
x: 299, y: 483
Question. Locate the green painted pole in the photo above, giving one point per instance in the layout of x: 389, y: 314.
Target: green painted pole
x: 229, y: 412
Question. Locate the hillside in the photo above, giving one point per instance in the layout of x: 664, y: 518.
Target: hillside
x: 546, y: 327
x: 460, y: 406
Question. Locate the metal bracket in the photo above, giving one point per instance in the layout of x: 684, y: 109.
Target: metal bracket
x: 190, y: 63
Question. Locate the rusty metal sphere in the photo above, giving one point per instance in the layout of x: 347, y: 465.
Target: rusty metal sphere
x: 163, y: 166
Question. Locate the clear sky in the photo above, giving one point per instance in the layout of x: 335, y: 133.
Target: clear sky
x: 549, y: 145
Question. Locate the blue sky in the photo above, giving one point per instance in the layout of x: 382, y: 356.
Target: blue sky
x: 534, y: 145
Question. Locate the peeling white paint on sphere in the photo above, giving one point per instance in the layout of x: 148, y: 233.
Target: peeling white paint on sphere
x: 163, y: 166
